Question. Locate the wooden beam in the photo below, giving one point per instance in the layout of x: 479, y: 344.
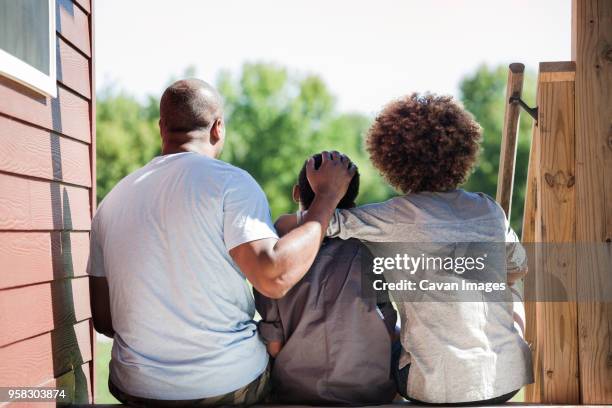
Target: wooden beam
x: 507, y: 161
x: 592, y: 51
x: 531, y: 203
x: 557, y: 325
x: 532, y: 392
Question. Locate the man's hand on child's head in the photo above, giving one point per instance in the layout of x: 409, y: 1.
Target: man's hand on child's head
x: 333, y: 176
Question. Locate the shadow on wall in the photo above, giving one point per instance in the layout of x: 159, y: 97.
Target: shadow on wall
x: 65, y: 342
x: 67, y: 356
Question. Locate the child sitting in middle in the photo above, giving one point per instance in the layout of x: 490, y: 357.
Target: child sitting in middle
x: 331, y: 344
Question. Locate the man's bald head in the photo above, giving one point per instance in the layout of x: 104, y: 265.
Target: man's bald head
x: 189, y: 105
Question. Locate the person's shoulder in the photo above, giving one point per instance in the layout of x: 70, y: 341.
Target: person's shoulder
x: 484, y: 201
x: 476, y: 195
x: 238, y: 181
x: 121, y: 187
x: 484, y: 198
x: 199, y: 161
x: 116, y: 196
x: 377, y: 207
x: 240, y: 174
x: 220, y: 168
x: 242, y: 179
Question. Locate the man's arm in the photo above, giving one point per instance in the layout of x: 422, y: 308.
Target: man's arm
x: 100, y: 306
x: 98, y: 285
x: 274, y: 266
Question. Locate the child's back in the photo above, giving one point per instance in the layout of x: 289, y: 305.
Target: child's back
x: 336, y: 343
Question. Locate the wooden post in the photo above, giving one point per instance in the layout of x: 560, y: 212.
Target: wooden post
x: 557, y: 323
x: 592, y: 51
x: 507, y: 160
x: 532, y: 392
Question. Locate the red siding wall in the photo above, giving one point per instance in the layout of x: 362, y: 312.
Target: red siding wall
x: 47, y: 183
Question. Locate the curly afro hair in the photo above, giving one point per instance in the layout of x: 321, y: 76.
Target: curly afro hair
x: 424, y: 143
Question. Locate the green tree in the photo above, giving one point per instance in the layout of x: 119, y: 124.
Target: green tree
x: 484, y: 94
x: 276, y: 120
x: 127, y: 137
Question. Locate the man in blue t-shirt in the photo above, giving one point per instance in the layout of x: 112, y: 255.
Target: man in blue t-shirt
x: 172, y: 248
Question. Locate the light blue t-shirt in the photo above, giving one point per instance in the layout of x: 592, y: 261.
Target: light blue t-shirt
x: 181, y: 309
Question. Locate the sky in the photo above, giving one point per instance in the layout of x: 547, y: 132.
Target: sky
x: 368, y: 52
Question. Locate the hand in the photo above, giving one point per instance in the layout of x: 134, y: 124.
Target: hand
x: 332, y: 178
x: 274, y: 347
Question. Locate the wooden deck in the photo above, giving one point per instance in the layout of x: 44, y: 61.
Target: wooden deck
x: 394, y: 405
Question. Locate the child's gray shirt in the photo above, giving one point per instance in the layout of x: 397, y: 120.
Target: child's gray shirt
x: 458, y: 351
x: 336, y: 343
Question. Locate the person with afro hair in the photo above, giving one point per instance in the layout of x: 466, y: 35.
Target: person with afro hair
x: 453, y: 351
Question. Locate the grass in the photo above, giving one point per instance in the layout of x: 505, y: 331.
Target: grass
x: 103, y: 356
x: 520, y: 396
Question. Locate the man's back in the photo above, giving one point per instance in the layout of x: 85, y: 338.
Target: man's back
x: 181, y: 309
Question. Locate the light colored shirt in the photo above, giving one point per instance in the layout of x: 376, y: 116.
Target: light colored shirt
x: 181, y: 309
x: 458, y: 351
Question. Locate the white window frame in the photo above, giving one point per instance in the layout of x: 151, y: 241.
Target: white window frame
x: 24, y: 73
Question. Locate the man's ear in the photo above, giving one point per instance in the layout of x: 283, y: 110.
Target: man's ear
x: 162, y: 132
x: 296, y: 193
x: 217, y: 132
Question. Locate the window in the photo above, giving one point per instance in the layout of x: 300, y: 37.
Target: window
x: 27, y: 43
